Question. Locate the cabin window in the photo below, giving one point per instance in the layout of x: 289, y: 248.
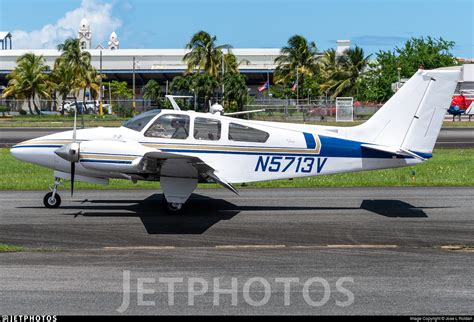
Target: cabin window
x: 170, y: 126
x: 140, y: 121
x: 207, y: 129
x: 238, y: 132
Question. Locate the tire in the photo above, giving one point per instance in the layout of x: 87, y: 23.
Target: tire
x: 52, y: 203
x: 170, y: 208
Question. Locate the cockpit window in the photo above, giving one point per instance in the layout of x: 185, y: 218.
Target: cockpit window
x: 170, y: 126
x: 207, y: 129
x: 244, y: 133
x: 140, y: 121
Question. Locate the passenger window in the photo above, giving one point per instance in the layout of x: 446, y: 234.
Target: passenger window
x: 244, y: 133
x: 170, y: 126
x: 207, y: 129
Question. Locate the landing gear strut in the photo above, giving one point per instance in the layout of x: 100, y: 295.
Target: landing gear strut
x: 170, y: 207
x: 52, y: 199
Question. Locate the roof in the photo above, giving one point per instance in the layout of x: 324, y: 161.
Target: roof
x: 4, y: 34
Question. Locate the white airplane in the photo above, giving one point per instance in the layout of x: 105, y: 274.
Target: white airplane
x: 183, y: 148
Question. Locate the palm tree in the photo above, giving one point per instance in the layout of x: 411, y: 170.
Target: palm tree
x: 28, y: 80
x: 299, y: 55
x: 342, y: 72
x: 62, y: 78
x: 204, y: 54
x: 78, y: 61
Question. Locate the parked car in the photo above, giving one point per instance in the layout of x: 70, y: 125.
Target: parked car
x: 90, y: 107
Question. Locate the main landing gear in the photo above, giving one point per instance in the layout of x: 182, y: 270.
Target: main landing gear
x: 171, y: 207
x: 52, y: 199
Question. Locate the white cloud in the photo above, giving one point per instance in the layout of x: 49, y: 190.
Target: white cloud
x: 98, y: 14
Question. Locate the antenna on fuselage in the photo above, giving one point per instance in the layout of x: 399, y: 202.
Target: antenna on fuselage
x: 173, y: 102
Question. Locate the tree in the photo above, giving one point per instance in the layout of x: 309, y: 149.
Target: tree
x: 152, y: 91
x: 204, y: 54
x: 181, y: 85
x: 298, y: 55
x: 203, y: 85
x: 428, y: 53
x: 28, y: 80
x: 79, y: 62
x: 236, y: 91
x: 62, y: 78
x: 120, y: 90
x: 342, y: 72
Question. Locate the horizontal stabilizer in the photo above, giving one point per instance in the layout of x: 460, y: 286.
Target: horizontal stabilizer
x: 393, y: 150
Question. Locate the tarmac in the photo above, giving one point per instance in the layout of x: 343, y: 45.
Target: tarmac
x: 344, y: 250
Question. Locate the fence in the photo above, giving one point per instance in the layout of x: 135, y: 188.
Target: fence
x: 305, y: 110
x: 288, y: 110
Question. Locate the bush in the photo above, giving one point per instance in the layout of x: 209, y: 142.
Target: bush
x: 4, y: 109
x: 122, y: 111
x: 22, y: 112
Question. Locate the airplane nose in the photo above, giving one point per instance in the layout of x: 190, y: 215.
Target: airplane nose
x: 18, y: 152
x: 31, y: 153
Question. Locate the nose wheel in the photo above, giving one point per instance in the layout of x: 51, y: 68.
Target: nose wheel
x: 52, y: 199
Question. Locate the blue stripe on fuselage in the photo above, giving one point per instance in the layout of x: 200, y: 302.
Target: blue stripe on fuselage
x: 310, y: 142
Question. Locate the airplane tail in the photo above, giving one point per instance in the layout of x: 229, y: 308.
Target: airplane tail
x: 411, y: 120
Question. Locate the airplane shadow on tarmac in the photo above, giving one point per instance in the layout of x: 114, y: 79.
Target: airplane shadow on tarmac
x: 202, y: 212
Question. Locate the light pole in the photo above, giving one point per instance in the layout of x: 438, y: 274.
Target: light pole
x: 133, y: 84
x: 100, y: 88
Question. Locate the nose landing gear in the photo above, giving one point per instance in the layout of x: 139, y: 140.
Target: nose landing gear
x: 52, y: 199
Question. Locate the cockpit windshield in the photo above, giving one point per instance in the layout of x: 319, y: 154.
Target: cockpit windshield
x: 140, y: 121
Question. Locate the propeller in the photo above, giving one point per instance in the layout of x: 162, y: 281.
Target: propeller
x: 70, y: 152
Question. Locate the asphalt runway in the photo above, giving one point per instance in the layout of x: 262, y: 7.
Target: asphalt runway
x: 456, y: 137
x: 386, y: 247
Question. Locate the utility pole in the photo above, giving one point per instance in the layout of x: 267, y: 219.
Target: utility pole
x: 268, y: 85
x: 223, y: 71
x: 297, y: 87
x: 133, y: 84
x: 100, y: 88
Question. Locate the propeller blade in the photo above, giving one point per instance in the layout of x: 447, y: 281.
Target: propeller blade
x: 73, y: 170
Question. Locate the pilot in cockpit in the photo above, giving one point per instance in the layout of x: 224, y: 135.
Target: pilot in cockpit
x: 179, y: 126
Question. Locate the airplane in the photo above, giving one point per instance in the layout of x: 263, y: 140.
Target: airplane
x: 183, y: 148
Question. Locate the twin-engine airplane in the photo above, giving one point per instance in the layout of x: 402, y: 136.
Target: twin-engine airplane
x: 183, y: 148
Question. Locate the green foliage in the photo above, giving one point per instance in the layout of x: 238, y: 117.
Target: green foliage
x: 28, y: 80
x: 152, y: 92
x: 4, y: 109
x: 120, y: 90
x: 204, y: 54
x: 298, y: 59
x: 427, y: 53
x: 342, y: 72
x: 236, y: 90
x: 122, y: 111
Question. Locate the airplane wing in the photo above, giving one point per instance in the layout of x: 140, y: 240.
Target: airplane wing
x: 178, y: 165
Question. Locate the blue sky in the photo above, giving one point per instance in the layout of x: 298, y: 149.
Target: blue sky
x: 371, y: 24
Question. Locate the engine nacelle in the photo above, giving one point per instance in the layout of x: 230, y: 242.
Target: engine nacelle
x: 112, y: 156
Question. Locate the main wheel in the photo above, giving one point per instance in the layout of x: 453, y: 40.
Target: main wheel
x: 171, y: 208
x: 50, y: 202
